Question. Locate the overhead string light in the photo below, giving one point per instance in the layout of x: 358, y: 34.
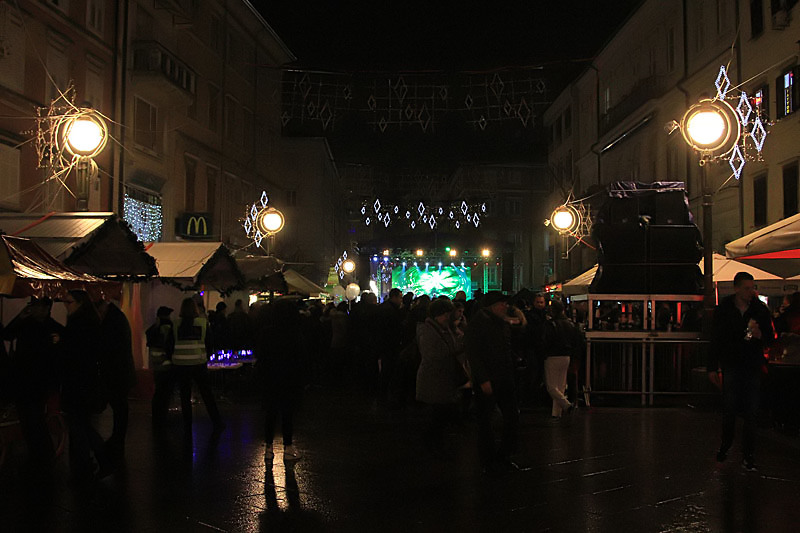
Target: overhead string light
x: 430, y: 215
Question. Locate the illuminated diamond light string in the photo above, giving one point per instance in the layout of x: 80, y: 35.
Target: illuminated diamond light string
x: 424, y: 215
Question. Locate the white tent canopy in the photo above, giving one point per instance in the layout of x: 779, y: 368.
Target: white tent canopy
x: 775, y: 248
x: 724, y: 271
x: 777, y: 237
x: 296, y: 282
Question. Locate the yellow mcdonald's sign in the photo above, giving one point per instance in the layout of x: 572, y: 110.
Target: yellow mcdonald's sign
x: 194, y: 223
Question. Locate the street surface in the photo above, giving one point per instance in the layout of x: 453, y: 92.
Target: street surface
x: 363, y: 468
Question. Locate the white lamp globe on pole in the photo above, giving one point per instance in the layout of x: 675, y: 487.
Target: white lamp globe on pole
x: 349, y: 266
x: 84, y: 135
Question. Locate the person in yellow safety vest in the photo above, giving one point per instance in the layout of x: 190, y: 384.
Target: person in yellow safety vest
x: 161, y: 345
x: 189, y: 360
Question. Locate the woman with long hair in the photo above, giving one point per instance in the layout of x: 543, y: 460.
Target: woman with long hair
x: 189, y: 360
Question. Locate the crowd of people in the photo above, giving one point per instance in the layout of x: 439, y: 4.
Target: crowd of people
x: 453, y: 357
x: 89, y: 359
x: 449, y: 359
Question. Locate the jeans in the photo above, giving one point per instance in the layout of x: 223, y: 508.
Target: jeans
x: 555, y: 374
x: 740, y: 394
x: 198, y: 374
x: 503, y: 398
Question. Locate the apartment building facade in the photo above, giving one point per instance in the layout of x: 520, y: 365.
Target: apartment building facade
x: 665, y: 58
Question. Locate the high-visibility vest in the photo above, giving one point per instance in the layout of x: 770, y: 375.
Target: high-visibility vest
x: 190, y: 351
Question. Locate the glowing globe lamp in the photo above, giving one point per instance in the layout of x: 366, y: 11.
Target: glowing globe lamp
x: 706, y: 127
x: 453, y: 253
x: 486, y: 252
x: 85, y: 135
x: 270, y: 221
x: 565, y: 219
x: 349, y: 266
x: 420, y: 253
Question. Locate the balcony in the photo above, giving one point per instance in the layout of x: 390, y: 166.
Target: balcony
x: 644, y: 90
x: 156, y: 67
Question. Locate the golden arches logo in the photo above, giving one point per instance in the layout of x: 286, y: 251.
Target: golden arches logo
x: 196, y: 222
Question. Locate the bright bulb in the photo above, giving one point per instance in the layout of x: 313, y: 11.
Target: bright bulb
x: 348, y: 266
x: 85, y: 136
x: 420, y: 253
x: 270, y: 221
x: 453, y: 253
x: 706, y: 127
x: 563, y: 220
x: 486, y: 252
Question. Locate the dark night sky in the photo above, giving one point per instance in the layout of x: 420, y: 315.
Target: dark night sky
x: 449, y: 36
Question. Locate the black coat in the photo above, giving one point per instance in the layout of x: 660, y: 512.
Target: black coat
x: 487, y: 343
x: 34, y: 357
x: 729, y: 349
x: 116, y: 356
x: 562, y: 338
x: 80, y: 357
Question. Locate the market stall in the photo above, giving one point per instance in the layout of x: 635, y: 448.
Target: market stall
x: 775, y: 248
x: 27, y: 270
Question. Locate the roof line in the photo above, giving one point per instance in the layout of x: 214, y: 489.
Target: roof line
x: 272, y: 32
x: 34, y: 223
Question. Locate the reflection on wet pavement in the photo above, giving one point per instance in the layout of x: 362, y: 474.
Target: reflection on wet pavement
x: 364, y: 469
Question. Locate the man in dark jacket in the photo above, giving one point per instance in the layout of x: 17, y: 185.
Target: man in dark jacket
x: 34, y: 337
x: 492, y: 362
x: 742, y: 329
x: 161, y: 345
x: 117, y: 370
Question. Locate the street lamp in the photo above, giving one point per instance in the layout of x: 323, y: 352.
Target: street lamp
x: 84, y: 135
x: 270, y: 221
x: 711, y: 128
x: 348, y: 266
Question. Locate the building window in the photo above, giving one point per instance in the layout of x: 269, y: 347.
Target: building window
x: 145, y: 120
x: 761, y: 101
x: 513, y: 207
x: 58, y: 67
x: 215, y: 34
x: 247, y: 128
x: 790, y: 190
x: 95, y: 16
x: 671, y: 50
x: 700, y: 27
x: 12, y: 62
x: 213, y: 107
x: 211, y: 189
x: 9, y: 169
x: 787, y: 97
x: 756, y: 18
x: 191, y: 178
x: 94, y: 88
x: 230, y: 119
x: 606, y: 100
x: 143, y: 212
x: 760, y: 201
x: 722, y: 16
x: 291, y: 198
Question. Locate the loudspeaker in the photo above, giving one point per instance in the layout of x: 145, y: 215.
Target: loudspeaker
x: 674, y: 244
x: 622, y: 243
x: 675, y: 279
x: 620, y: 279
x: 507, y: 283
x: 670, y: 209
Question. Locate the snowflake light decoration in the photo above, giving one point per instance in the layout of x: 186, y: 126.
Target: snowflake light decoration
x: 433, y: 216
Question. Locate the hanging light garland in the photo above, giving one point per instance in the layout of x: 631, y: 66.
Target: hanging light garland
x: 424, y: 216
x: 145, y: 219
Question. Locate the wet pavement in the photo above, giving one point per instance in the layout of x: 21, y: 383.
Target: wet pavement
x: 364, y: 469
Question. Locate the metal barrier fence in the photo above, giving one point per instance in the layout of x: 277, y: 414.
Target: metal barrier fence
x: 645, y: 366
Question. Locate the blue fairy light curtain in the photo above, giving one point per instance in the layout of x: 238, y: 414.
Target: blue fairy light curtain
x: 318, y: 102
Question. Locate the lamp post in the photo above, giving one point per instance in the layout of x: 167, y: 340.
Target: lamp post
x: 711, y: 128
x: 84, y: 135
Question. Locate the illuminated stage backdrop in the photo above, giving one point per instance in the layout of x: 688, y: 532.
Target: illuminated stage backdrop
x: 433, y: 281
